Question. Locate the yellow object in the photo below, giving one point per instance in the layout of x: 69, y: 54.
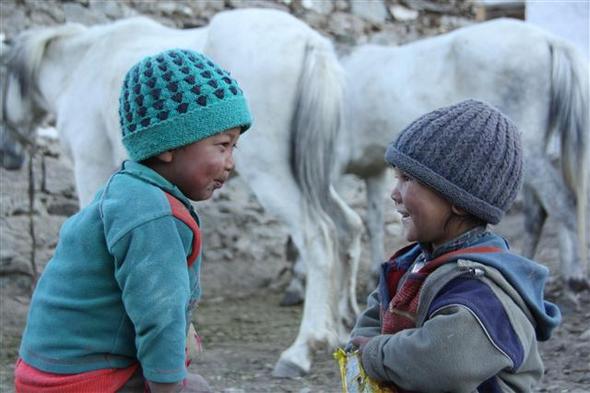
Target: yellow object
x: 354, y: 378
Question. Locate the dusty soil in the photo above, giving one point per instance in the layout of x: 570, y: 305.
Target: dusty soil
x: 244, y: 337
x: 244, y: 329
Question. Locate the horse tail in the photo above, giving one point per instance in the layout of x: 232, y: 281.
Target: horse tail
x: 568, y: 116
x: 25, y: 57
x: 315, y: 127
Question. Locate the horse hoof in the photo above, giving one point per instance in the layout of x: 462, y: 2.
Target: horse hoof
x: 291, y: 298
x: 578, y: 284
x: 286, y: 369
x: 10, y: 161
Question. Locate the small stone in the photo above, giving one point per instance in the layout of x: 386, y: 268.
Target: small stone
x: 373, y: 11
x: 403, y: 14
x: 323, y: 7
x: 585, y: 336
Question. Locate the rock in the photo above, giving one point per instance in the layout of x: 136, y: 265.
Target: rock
x: 111, y: 9
x: 323, y: 7
x: 403, y: 14
x: 448, y: 23
x: 14, y: 196
x: 15, y: 232
x: 18, y: 19
x: 214, y: 240
x: 47, y: 230
x: 16, y: 270
x: 75, y: 12
x: 57, y: 177
x: 438, y: 7
x: 347, y: 28
x: 47, y: 14
x: 63, y: 207
x: 243, y: 244
x: 282, y: 5
x: 391, y: 35
x: 341, y: 5
x: 372, y: 10
x: 13, y: 311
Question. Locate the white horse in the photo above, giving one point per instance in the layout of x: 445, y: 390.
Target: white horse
x: 535, y: 78
x: 294, y: 84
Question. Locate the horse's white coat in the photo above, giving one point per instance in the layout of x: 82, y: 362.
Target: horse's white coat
x: 293, y: 81
x: 537, y: 79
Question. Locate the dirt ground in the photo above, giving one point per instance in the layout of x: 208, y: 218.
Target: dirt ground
x: 240, y: 351
x: 244, y: 331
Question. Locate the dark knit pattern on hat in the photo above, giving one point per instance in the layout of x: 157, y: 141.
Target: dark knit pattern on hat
x: 468, y: 152
x: 175, y: 98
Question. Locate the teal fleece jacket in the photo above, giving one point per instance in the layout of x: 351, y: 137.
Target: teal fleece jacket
x: 118, y: 289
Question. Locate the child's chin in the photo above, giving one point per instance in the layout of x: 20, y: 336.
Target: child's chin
x: 201, y: 196
x: 409, y: 237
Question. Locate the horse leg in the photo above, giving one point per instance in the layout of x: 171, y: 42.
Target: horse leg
x: 283, y: 199
x: 375, y: 222
x: 325, y: 323
x: 319, y: 325
x: 559, y: 201
x: 534, y: 219
x: 349, y: 227
x: 295, y: 292
x: 12, y: 154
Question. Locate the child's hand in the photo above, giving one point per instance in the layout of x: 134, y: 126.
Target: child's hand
x: 157, y: 387
x: 360, y: 342
x: 196, y: 384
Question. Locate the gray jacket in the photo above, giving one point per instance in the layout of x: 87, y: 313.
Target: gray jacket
x: 477, y: 323
x: 452, y: 349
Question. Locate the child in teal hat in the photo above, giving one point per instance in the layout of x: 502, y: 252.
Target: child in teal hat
x: 113, y: 307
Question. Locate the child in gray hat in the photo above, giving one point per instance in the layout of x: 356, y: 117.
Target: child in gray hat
x: 456, y: 310
x: 112, y: 311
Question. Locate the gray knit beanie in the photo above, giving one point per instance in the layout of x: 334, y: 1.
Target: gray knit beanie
x: 468, y: 152
x: 175, y: 98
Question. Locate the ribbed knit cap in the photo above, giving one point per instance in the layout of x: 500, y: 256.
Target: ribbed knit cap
x: 175, y: 98
x: 468, y: 152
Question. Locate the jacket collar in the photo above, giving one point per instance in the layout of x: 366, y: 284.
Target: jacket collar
x: 140, y: 171
x: 464, y: 240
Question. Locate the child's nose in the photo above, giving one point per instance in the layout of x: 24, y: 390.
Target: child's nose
x: 396, y: 195
x: 229, y: 162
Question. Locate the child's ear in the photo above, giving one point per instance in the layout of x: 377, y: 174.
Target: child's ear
x: 458, y: 211
x: 166, y: 157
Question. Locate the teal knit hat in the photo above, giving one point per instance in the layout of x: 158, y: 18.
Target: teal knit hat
x: 176, y: 98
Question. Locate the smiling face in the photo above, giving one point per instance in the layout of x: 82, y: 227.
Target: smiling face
x: 425, y: 214
x: 202, y: 167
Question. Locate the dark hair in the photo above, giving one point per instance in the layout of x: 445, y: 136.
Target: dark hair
x: 468, y: 218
